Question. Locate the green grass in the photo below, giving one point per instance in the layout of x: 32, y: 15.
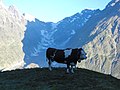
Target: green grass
x: 43, y: 79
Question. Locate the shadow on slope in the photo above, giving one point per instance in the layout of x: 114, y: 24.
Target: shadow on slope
x: 43, y: 79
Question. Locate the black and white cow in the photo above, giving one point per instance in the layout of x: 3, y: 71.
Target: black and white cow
x: 66, y: 56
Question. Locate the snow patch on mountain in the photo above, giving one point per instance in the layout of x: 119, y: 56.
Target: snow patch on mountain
x: 73, y: 32
x: 54, y: 25
x: 29, y: 17
x: 65, y: 42
x: 112, y: 3
x: 32, y: 65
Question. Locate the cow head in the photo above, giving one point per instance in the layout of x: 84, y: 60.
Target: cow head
x: 82, y: 54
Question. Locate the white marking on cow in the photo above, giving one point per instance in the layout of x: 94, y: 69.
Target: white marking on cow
x: 68, y: 70
x: 72, y: 69
x: 67, y: 52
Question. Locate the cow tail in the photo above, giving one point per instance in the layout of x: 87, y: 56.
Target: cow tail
x: 46, y: 58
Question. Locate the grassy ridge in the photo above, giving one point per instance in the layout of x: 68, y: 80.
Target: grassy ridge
x: 43, y: 79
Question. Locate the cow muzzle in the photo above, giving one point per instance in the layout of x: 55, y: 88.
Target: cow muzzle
x: 82, y: 57
x: 79, y: 60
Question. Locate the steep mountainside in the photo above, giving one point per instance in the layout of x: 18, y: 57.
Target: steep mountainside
x: 12, y: 27
x: 37, y: 38
x: 100, y: 38
x: 68, y: 27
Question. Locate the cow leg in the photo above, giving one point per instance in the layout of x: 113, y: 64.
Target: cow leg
x: 49, y: 63
x: 68, y: 68
x: 75, y: 68
x: 72, y: 69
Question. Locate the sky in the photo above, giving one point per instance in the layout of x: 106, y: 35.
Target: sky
x: 55, y: 10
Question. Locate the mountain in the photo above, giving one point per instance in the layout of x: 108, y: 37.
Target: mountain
x: 100, y: 38
x: 40, y: 35
x: 94, y: 30
x: 12, y: 27
x: 43, y: 79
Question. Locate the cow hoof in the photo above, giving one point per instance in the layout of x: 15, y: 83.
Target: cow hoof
x: 50, y: 68
x: 69, y: 72
x: 72, y: 71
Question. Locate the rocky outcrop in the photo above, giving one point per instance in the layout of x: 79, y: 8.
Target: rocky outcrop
x: 32, y: 65
x: 12, y: 27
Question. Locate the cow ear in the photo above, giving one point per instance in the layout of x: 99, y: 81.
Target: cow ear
x: 80, y: 48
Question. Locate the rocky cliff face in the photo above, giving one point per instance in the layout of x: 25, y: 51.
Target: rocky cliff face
x: 100, y: 40
x: 12, y: 27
